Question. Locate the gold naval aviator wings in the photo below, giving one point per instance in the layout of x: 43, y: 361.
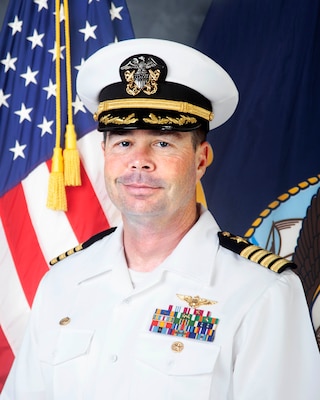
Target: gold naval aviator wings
x: 196, y: 301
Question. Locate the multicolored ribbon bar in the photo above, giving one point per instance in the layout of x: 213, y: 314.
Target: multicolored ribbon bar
x: 185, y: 322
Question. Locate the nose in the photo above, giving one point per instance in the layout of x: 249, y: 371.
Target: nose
x: 141, y: 160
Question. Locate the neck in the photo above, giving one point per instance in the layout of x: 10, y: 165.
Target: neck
x: 148, y: 243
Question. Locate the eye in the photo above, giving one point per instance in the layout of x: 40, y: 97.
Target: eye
x: 124, y: 143
x: 163, y: 144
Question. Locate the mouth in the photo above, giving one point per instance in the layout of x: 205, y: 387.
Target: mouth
x: 140, y: 184
x: 140, y: 189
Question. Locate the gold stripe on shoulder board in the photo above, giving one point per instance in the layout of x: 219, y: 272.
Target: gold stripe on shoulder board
x: 254, y: 253
x: 66, y: 254
x: 83, y: 245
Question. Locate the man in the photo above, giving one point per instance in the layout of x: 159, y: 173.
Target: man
x: 163, y: 307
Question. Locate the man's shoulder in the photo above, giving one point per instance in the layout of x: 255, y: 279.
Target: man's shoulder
x: 82, y: 246
x: 252, y: 252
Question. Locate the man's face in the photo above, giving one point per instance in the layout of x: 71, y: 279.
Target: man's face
x: 153, y: 173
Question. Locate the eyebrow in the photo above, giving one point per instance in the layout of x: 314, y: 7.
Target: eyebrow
x: 150, y: 132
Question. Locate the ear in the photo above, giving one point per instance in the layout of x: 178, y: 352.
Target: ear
x: 204, y: 156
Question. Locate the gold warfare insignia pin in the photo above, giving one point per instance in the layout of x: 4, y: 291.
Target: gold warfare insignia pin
x: 196, y: 301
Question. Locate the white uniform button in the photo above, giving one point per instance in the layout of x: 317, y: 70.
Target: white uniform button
x: 114, y: 358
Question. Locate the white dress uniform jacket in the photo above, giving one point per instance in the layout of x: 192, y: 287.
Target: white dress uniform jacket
x: 89, y: 335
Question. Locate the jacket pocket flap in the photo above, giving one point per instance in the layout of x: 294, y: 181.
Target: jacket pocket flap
x: 193, y: 357
x: 65, y: 345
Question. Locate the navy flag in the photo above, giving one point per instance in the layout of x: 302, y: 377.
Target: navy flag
x: 265, y: 178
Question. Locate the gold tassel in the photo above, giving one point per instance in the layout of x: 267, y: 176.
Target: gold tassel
x: 71, y: 158
x: 57, y: 198
x: 70, y: 155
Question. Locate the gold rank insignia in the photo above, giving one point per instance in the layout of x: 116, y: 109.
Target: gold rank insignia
x: 254, y: 253
x: 82, y: 246
x: 196, y: 301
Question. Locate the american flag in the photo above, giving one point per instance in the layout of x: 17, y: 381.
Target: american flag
x: 30, y: 233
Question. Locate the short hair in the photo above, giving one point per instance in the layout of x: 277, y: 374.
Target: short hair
x: 198, y: 136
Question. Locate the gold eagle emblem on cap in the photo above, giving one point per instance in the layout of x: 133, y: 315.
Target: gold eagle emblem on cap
x: 140, y: 76
x: 196, y: 301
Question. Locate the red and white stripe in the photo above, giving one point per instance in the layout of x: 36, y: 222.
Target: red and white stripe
x: 31, y: 235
